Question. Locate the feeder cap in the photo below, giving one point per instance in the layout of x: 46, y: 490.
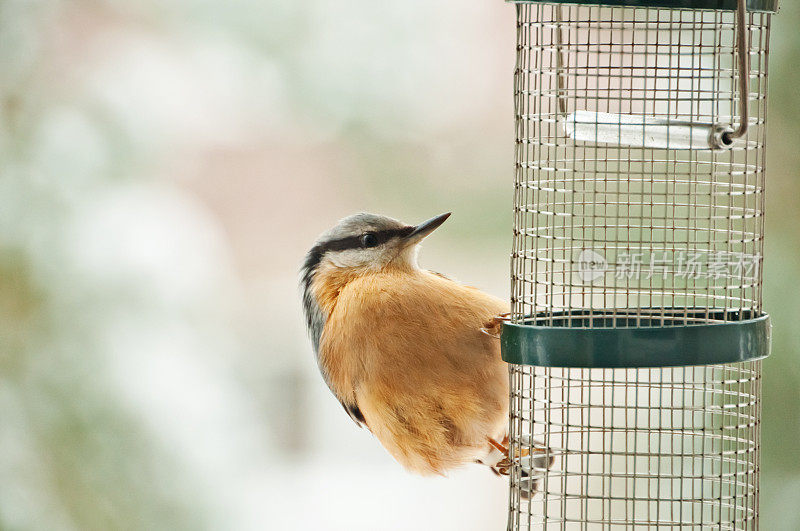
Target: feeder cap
x: 770, y: 6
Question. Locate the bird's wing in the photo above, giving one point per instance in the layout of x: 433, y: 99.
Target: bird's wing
x: 349, y: 405
x: 337, y: 368
x: 355, y: 414
x: 439, y: 274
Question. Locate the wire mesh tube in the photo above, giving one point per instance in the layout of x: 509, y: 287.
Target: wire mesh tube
x: 636, y: 229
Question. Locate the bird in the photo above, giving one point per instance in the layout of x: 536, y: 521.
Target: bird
x: 406, y: 351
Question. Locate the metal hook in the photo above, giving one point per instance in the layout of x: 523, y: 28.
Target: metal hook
x: 642, y: 131
x: 743, y: 52
x: 560, y: 97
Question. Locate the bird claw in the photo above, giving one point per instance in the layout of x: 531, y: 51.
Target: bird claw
x: 504, y: 465
x: 528, y: 459
x: 495, y: 325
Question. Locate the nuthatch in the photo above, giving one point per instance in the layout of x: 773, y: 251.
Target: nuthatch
x: 402, y: 348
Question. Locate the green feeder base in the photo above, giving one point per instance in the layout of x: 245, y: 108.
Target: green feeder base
x: 633, y: 338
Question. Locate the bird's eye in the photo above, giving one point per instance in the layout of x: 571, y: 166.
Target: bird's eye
x: 369, y: 240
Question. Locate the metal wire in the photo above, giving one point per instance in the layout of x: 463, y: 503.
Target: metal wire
x: 742, y: 54
x: 626, y: 230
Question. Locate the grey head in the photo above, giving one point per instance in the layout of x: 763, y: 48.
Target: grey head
x: 360, y: 242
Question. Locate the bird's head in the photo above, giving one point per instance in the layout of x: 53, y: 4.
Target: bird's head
x: 357, y: 245
x: 369, y: 242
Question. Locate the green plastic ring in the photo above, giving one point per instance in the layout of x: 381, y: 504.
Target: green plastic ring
x: 637, y: 338
x: 770, y: 6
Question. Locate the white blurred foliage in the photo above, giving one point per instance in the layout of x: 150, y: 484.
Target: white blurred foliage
x: 141, y: 281
x: 185, y: 93
x: 151, y: 237
x: 25, y: 503
x: 397, y: 66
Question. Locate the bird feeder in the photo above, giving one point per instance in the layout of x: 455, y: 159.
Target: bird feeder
x: 637, y: 332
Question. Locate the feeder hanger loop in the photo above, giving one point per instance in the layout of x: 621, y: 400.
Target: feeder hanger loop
x: 743, y: 51
x: 650, y: 132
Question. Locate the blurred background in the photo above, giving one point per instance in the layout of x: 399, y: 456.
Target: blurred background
x: 164, y: 166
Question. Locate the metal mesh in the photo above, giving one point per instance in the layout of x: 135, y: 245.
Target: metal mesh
x: 623, y: 230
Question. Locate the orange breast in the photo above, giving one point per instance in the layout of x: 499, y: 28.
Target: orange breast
x: 407, y: 347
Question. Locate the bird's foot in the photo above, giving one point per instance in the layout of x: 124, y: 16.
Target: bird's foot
x: 504, y: 465
x: 494, y: 326
x: 530, y: 457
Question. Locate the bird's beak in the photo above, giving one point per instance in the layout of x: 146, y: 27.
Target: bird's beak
x: 425, y: 228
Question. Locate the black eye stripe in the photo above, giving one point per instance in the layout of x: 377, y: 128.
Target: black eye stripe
x: 354, y: 242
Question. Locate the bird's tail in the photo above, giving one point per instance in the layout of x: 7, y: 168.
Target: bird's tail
x: 534, y: 461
